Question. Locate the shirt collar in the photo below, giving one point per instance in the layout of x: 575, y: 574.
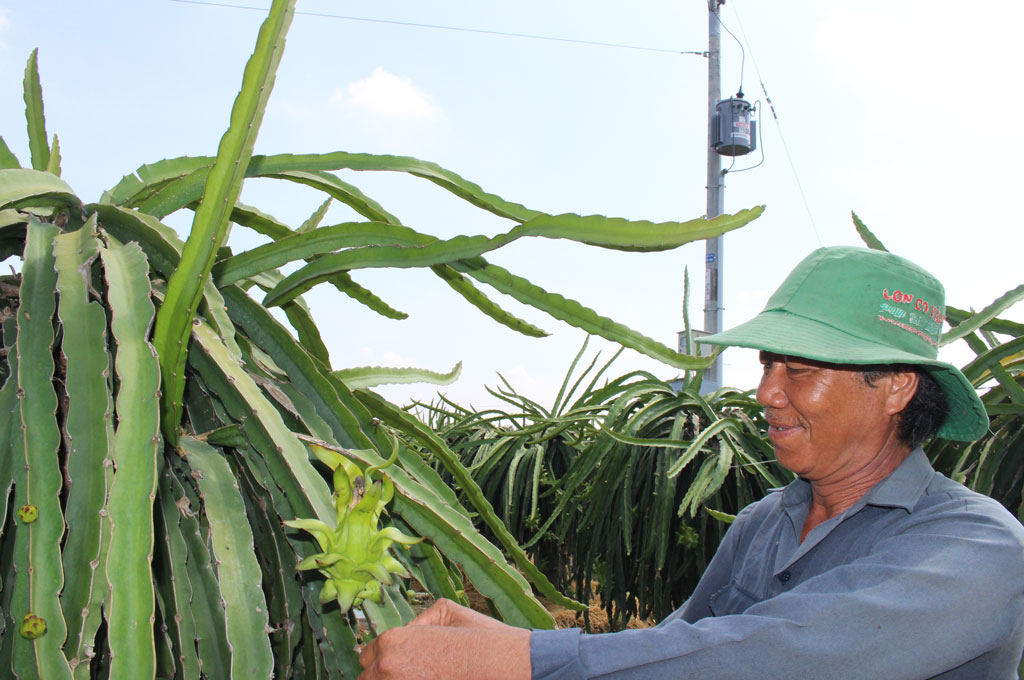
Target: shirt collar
x: 901, y: 489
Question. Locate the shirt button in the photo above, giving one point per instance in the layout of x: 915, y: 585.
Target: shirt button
x: 785, y: 576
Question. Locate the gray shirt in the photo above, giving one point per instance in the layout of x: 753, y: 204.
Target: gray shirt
x: 921, y: 578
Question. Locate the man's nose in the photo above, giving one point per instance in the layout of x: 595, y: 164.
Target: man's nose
x: 770, y: 391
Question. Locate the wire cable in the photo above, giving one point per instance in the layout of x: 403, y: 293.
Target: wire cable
x: 743, y: 54
x: 778, y: 126
x: 505, y: 34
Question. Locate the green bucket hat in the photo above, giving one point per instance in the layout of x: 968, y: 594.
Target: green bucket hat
x: 849, y: 305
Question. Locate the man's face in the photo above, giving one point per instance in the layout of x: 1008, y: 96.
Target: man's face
x: 826, y: 423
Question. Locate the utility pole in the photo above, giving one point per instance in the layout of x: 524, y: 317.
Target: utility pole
x: 716, y: 200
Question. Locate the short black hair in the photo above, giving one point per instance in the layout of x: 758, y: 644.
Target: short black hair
x: 928, y: 408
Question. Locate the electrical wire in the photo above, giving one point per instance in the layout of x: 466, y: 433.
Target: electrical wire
x: 739, y: 94
x: 743, y: 53
x: 529, y: 36
x: 778, y: 125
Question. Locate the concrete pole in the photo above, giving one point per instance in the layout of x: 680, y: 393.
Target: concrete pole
x: 715, y: 201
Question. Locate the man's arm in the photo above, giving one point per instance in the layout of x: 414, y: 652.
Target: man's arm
x: 941, y: 595
x: 449, y: 642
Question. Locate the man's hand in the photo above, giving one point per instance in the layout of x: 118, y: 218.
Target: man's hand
x: 448, y: 642
x: 447, y: 613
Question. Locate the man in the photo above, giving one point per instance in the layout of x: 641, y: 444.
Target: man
x: 869, y: 565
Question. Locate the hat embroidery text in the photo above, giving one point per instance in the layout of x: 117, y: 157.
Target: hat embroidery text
x: 910, y: 328
x: 893, y: 309
x: 925, y: 319
x: 920, y: 305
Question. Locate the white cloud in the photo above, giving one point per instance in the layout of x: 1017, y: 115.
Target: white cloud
x: 381, y: 112
x: 373, y: 357
x: 384, y: 94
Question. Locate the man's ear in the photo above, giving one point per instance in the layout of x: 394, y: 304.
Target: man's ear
x: 902, y: 388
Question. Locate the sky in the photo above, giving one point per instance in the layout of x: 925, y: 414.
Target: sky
x: 904, y: 111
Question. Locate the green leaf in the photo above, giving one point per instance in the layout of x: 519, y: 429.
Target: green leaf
x: 260, y: 222
x: 405, y: 422
x: 138, y: 186
x: 53, y: 166
x: 214, y: 655
x: 316, y: 218
x: 309, y: 335
x: 699, y: 442
x: 17, y: 650
x: 303, y: 371
x: 976, y: 370
x: 464, y: 287
x: 343, y: 191
x: 132, y: 602
x: 1012, y: 388
x: 576, y: 314
x: 866, y: 235
x: 10, y: 417
x: 190, y: 188
x: 22, y: 188
x: 160, y: 243
x: 299, y: 246
x: 708, y: 479
x: 594, y: 230
x: 238, y: 572
x: 334, y: 636
x: 264, y: 165
x: 720, y: 516
x: 429, y: 569
x: 277, y: 558
x: 344, y: 283
x: 453, y: 533
x: 392, y: 612
x: 989, y: 313
x: 640, y: 441
x: 37, y: 139
x: 259, y: 262
x: 89, y: 427
x: 369, y: 376
x: 7, y: 159
x: 38, y: 405
x: 172, y: 574
x: 212, y: 220
x: 14, y: 553
x: 631, y: 235
x: 305, y: 485
x: 226, y: 436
